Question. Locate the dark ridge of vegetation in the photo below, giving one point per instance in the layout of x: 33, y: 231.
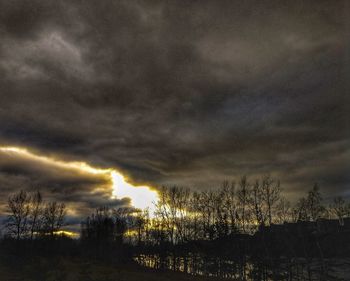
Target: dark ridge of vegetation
x: 243, y: 231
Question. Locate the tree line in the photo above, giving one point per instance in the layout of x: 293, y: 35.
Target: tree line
x: 223, y: 232
x: 182, y: 215
x: 30, y: 217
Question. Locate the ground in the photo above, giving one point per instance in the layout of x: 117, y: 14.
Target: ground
x: 77, y: 270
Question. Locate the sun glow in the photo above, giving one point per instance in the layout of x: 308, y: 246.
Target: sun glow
x: 70, y: 234
x: 141, y: 196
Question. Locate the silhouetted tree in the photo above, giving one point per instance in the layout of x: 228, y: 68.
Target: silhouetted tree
x: 172, y: 210
x: 212, y: 232
x: 139, y: 223
x: 99, y: 226
x: 121, y: 217
x: 283, y: 211
x: 35, y: 214
x: 19, y: 208
x: 243, y: 203
x: 340, y: 209
x: 230, y: 204
x: 309, y: 208
x: 271, y: 194
x: 300, y: 211
x: 256, y: 201
x: 53, y: 217
x: 314, y: 206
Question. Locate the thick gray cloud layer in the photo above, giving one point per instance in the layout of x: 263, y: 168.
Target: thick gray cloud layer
x: 178, y: 92
x: 81, y: 190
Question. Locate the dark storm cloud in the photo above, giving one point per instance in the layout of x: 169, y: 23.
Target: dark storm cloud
x: 80, y: 190
x: 186, y: 92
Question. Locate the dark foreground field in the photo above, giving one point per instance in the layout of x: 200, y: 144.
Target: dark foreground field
x: 78, y: 270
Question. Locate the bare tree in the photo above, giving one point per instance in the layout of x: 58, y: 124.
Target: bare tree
x: 194, y: 209
x: 339, y: 208
x: 17, y: 222
x: 35, y: 214
x: 164, y: 213
x: 283, y: 210
x: 243, y: 194
x: 121, y: 221
x: 314, y: 203
x: 106, y: 225
x: 207, y: 209
x: 230, y: 204
x: 99, y: 226
x: 257, y: 203
x: 300, y: 211
x: 173, y: 210
x: 141, y: 223
x: 53, y: 217
x: 271, y: 194
x: 221, y: 220
x: 309, y: 208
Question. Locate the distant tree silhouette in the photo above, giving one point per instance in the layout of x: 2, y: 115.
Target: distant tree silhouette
x: 271, y: 195
x: 29, y: 217
x: 121, y: 221
x: 283, y: 211
x: 257, y: 204
x: 171, y: 210
x: 141, y: 223
x: 35, y: 214
x: 19, y: 208
x: 229, y: 204
x: 314, y: 203
x: 99, y: 226
x: 340, y: 209
x: 244, y: 193
x: 310, y: 208
x: 244, y: 231
x: 53, y: 217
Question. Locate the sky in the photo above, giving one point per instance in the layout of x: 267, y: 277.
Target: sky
x: 187, y: 93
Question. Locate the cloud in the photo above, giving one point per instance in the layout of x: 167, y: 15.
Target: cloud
x: 187, y: 93
x: 82, y: 188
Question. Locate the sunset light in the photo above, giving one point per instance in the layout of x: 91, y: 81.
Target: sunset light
x: 174, y: 140
x: 141, y: 196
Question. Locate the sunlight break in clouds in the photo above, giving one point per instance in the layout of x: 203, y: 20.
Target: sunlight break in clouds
x: 141, y: 196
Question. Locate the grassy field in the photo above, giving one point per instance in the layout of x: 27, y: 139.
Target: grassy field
x: 77, y: 270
